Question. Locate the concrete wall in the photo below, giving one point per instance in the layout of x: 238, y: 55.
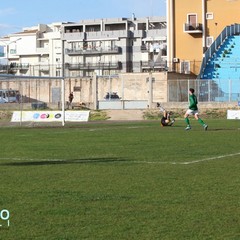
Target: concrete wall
x: 151, y: 87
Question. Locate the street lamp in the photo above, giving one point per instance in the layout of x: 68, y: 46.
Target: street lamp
x: 6, y: 44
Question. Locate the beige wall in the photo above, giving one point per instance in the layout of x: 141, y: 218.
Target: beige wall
x: 188, y: 46
x: 128, y: 86
x: 225, y: 12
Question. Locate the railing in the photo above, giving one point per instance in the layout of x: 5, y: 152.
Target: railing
x: 3, y: 68
x: 227, y: 31
x: 193, y: 28
x: 19, y: 66
x: 108, y: 34
x: 44, y: 67
x: 82, y: 66
x: 95, y: 50
x: 207, y: 90
x: 151, y: 64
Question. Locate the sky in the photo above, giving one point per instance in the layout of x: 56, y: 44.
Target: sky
x: 17, y: 14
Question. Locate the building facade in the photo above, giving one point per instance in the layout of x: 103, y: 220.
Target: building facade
x: 192, y: 28
x: 36, y: 51
x: 100, y: 46
x: 111, y: 46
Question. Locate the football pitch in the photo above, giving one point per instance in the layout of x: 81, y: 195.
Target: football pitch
x: 121, y: 180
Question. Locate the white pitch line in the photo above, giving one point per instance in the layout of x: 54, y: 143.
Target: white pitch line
x: 212, y: 158
x: 191, y: 162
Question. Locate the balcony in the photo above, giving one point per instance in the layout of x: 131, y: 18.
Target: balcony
x: 93, y: 51
x: 139, y: 33
x: 19, y: 66
x: 162, y: 65
x: 44, y: 67
x: 3, y: 68
x: 73, y: 36
x: 193, y: 28
x: 91, y: 36
x: 93, y: 66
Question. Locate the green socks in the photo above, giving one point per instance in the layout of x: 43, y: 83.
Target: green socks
x: 187, y: 121
x: 201, y: 121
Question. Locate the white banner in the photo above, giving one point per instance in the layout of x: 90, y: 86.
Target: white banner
x: 233, y: 114
x: 49, y: 116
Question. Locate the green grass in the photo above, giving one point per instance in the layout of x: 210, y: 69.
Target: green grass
x: 121, y: 181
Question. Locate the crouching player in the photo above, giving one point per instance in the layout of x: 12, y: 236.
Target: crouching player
x: 166, y: 119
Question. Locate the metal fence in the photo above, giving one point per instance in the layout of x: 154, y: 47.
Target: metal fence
x: 207, y: 90
x: 133, y: 89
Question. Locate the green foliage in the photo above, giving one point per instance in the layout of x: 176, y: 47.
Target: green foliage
x: 5, y: 115
x: 152, y: 115
x: 212, y: 113
x: 132, y: 180
x: 98, y: 116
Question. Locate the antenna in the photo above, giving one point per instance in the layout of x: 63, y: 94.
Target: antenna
x: 133, y: 16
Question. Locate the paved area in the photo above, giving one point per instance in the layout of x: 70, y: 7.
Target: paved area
x: 125, y: 114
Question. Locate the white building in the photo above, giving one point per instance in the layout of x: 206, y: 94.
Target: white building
x: 35, y: 51
x: 101, y: 46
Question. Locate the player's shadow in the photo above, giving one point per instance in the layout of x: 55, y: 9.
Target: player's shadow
x: 66, y: 161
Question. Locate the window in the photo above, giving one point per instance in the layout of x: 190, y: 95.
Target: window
x: 209, y: 41
x: 209, y: 15
x: 192, y: 19
x: 13, y: 51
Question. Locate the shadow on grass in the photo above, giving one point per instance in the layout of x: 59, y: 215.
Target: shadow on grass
x: 61, y: 161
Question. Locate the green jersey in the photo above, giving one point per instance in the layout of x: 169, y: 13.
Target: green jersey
x: 193, y: 102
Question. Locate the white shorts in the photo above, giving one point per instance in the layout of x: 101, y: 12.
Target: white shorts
x: 192, y: 112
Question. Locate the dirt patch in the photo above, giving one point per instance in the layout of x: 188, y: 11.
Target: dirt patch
x: 125, y: 114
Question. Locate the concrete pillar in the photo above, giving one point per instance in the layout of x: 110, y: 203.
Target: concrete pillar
x: 150, y: 90
x: 95, y: 91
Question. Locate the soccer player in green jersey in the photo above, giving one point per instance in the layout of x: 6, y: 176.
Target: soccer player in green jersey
x: 193, y: 110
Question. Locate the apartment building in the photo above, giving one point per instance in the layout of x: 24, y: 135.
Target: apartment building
x: 193, y: 26
x: 35, y: 51
x: 110, y: 46
x: 101, y: 46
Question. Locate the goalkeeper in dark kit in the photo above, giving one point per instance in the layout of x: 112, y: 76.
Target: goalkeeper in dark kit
x: 166, y: 118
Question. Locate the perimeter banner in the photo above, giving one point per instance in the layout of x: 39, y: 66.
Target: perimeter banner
x: 233, y: 114
x: 49, y: 116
